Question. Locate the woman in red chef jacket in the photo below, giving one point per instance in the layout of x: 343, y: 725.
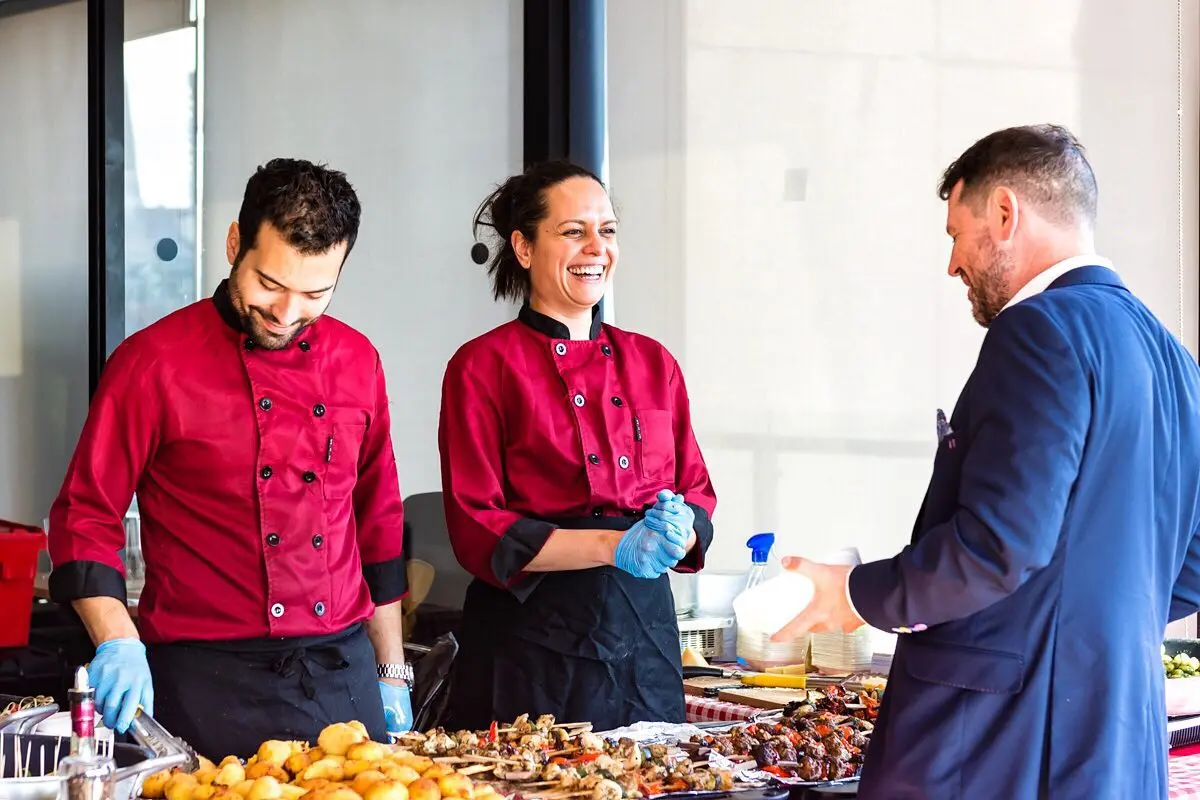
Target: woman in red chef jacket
x: 571, y: 476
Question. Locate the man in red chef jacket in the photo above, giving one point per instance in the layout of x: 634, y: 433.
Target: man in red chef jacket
x: 256, y: 434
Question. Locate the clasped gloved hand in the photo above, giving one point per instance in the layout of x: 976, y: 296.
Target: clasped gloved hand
x: 646, y: 553
x: 397, y: 708
x: 672, y: 512
x: 120, y: 675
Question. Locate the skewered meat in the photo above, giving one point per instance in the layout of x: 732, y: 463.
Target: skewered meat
x: 810, y: 769
x: 765, y: 754
x: 836, y: 748
x: 590, y: 742
x: 814, y: 747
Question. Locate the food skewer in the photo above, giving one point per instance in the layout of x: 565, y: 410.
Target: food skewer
x: 478, y: 769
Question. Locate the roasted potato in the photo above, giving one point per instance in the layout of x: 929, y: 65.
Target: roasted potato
x: 367, y: 751
x: 424, y: 789
x: 400, y: 772
x: 274, y: 752
x: 265, y: 788
x: 180, y: 787
x: 298, y: 762
x: 242, y: 788
x: 386, y: 790
x: 154, y: 786
x: 334, y: 792
x: 312, y: 784
x: 231, y: 773
x: 437, y: 771
x: 456, y: 785
x: 336, y: 739
x: 365, y: 780
x: 326, y: 768
x: 419, y: 763
x: 344, y: 765
x: 264, y: 768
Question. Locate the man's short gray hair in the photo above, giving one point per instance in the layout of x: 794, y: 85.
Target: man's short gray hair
x: 1044, y: 164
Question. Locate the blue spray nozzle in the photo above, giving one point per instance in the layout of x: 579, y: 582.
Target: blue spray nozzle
x: 760, y: 545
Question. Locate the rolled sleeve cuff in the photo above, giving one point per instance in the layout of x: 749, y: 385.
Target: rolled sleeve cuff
x: 519, y: 545
x: 76, y: 580
x: 387, y: 580
x: 703, y: 528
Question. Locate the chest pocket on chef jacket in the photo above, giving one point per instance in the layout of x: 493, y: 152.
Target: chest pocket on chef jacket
x: 657, y: 453
x: 344, y: 439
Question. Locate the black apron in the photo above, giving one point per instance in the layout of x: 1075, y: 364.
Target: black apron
x: 227, y: 698
x: 595, y: 645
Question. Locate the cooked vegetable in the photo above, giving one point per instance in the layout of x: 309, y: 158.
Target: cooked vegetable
x: 1180, y: 665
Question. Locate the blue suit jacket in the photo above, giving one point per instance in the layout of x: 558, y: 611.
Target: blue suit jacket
x: 1058, y: 536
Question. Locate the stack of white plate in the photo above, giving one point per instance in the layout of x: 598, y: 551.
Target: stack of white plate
x: 843, y: 653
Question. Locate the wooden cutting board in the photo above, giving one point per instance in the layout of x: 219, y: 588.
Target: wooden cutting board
x: 696, y: 686
x: 760, y: 697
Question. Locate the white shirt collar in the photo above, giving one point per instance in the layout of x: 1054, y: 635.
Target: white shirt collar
x: 1040, y: 282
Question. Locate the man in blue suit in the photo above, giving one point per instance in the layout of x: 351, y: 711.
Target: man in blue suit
x: 1059, y: 532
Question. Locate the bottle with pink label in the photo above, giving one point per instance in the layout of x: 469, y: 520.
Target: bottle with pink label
x: 87, y: 774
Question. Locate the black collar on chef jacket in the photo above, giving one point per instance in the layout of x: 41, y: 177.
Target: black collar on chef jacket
x: 230, y: 315
x: 225, y: 307
x: 552, y: 327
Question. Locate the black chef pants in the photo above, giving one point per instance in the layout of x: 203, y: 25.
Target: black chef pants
x: 226, y: 698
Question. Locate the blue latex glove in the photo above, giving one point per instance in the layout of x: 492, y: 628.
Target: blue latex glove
x: 397, y: 708
x: 646, y: 553
x: 120, y: 675
x: 671, y: 512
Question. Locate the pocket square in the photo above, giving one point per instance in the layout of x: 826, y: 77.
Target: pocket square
x: 943, y: 426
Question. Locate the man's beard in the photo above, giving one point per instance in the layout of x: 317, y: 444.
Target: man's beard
x: 252, y: 322
x: 990, y: 286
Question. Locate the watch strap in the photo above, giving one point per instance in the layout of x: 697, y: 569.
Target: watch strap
x: 402, y: 672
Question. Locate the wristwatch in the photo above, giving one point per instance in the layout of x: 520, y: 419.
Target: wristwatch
x: 402, y: 672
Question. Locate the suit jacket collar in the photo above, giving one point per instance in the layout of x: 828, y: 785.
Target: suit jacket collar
x: 1091, y: 274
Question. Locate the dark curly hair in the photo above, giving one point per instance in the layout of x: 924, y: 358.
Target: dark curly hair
x: 1045, y: 164
x: 313, y: 207
x: 519, y: 204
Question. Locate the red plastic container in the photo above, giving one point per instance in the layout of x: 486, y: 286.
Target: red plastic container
x: 19, y: 548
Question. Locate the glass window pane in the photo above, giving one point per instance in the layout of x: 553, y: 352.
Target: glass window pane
x: 43, y: 253
x: 161, y: 272
x: 775, y: 164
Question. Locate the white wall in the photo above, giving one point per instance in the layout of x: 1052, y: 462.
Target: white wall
x: 775, y: 162
x: 43, y: 253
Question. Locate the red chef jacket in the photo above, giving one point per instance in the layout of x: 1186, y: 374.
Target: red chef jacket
x: 536, y: 427
x: 265, y: 479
